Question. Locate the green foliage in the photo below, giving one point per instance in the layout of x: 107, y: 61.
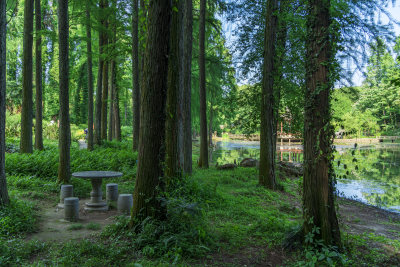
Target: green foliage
x: 93, y: 226
x: 74, y: 227
x: 44, y: 164
x: 16, y: 219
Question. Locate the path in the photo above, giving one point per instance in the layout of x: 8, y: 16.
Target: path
x: 52, y: 227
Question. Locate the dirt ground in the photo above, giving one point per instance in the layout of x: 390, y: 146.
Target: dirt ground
x: 52, y: 226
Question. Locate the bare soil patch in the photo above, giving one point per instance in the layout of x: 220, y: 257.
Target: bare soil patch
x: 53, y: 227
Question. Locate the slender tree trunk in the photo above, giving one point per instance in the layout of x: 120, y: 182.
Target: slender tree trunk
x: 27, y: 76
x: 64, y: 130
x: 90, y: 76
x: 104, y: 101
x: 4, y: 200
x: 100, y: 83
x: 187, y: 94
x: 210, y: 123
x: 172, y: 158
x: 203, y: 160
x: 267, y: 139
x: 111, y: 100
x: 135, y: 74
x: 39, y: 85
x: 117, y: 118
x: 180, y: 100
x: 318, y: 200
x: 153, y: 113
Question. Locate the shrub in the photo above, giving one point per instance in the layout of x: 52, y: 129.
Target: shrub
x: 17, y: 218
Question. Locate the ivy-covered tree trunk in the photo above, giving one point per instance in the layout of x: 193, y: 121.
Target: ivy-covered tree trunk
x: 27, y: 76
x: 39, y: 85
x: 203, y: 160
x: 135, y: 74
x: 90, y: 77
x: 172, y: 157
x: 64, y: 130
x: 187, y: 90
x: 4, y: 200
x: 153, y: 113
x: 318, y: 199
x: 267, y: 138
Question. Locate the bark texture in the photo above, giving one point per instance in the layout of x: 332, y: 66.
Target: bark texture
x: 104, y: 101
x: 203, y: 160
x: 111, y: 100
x: 27, y: 76
x: 64, y: 130
x: 4, y: 200
x: 318, y: 200
x: 90, y: 76
x: 187, y: 90
x: 172, y: 131
x: 267, y: 138
x: 135, y: 74
x: 117, y: 118
x: 39, y: 85
x: 152, y: 114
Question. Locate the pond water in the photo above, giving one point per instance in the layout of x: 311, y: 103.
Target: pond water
x: 367, y: 174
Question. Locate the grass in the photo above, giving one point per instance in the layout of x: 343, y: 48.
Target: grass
x: 211, y: 212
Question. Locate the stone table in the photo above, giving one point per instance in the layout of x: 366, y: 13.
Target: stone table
x: 96, y: 202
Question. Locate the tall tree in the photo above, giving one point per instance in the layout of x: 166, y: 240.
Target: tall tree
x: 187, y: 86
x: 90, y: 76
x: 152, y: 114
x: 135, y: 73
x: 27, y: 75
x: 267, y: 139
x: 112, y: 96
x: 4, y: 200
x: 99, y: 90
x: 39, y: 85
x: 203, y: 160
x: 172, y: 157
x: 318, y: 199
x: 64, y: 130
x: 104, y: 102
x: 117, y: 118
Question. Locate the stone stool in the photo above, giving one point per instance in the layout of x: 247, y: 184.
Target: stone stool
x: 111, y: 192
x: 125, y: 203
x: 71, y: 209
x: 67, y: 190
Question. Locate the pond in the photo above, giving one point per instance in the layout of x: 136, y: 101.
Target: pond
x: 368, y: 174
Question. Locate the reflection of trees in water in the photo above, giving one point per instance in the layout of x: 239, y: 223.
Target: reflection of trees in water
x: 380, y: 168
x: 223, y: 156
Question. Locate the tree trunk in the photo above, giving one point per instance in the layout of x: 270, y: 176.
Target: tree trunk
x: 27, y: 75
x: 4, y: 200
x: 203, y: 160
x: 135, y: 74
x: 104, y: 103
x: 117, y: 118
x: 149, y: 179
x: 210, y: 123
x: 318, y: 200
x: 267, y: 138
x: 111, y: 100
x: 39, y: 85
x: 97, y: 120
x: 171, y: 142
x: 64, y: 130
x: 187, y: 94
x: 90, y: 77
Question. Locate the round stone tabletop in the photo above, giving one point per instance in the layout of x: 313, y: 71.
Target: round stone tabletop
x: 96, y: 174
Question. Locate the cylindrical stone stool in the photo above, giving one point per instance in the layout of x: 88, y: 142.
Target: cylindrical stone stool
x: 67, y: 190
x: 111, y: 192
x: 125, y: 203
x: 71, y: 209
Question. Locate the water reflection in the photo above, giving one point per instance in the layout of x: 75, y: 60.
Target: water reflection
x: 368, y: 174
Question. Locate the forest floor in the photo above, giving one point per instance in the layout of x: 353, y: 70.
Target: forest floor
x: 217, y: 218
